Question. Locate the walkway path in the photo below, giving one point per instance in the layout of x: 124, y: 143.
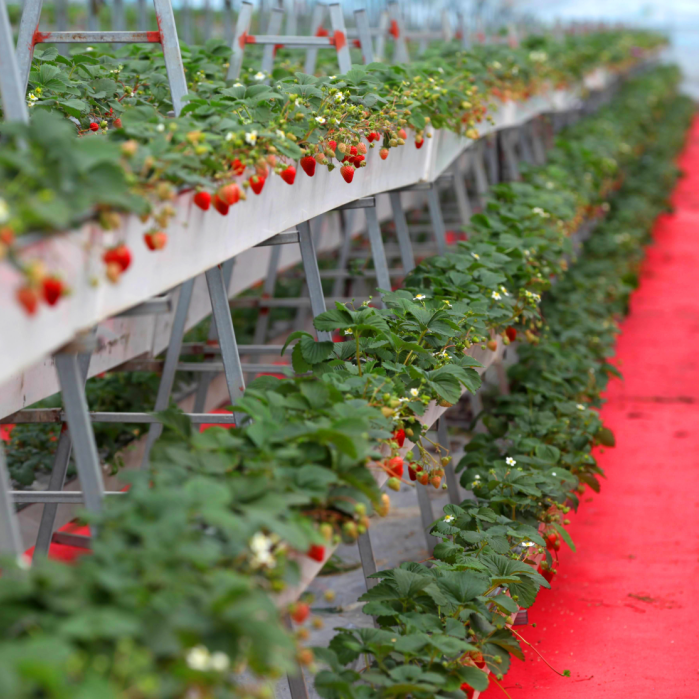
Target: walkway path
x: 622, y: 614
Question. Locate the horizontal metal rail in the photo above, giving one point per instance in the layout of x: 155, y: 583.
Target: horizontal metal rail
x: 57, y: 415
x: 61, y: 497
x: 97, y: 37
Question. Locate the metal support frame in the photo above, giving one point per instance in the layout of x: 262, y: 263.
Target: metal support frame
x: 440, y: 234
x: 205, y: 378
x: 13, y: 98
x: 81, y: 434
x: 57, y: 479
x: 397, y: 30
x: 166, y: 35
x: 364, y: 34
x: 462, y: 201
x: 337, y: 41
x: 10, y: 540
x: 402, y: 233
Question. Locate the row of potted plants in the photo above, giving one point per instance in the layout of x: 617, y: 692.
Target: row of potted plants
x: 131, y: 157
x: 175, y: 598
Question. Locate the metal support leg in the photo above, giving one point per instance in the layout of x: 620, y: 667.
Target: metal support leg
x: 82, y: 436
x: 383, y: 280
x: 479, y: 173
x: 507, y: 141
x: 343, y: 256
x: 525, y: 143
x: 58, y: 473
x: 172, y: 357
x: 226, y: 335
x: 270, y: 283
x: 491, y: 154
x: 437, y: 219
x: 402, y: 233
x: 297, y: 685
x: 310, y: 267
x: 12, y: 86
x: 462, y: 201
x: 426, y: 516
x: 537, y: 142
x: 10, y: 541
x: 366, y: 554
x: 452, y: 482
x: 205, y: 378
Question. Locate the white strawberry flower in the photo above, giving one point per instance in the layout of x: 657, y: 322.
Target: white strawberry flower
x: 510, y: 461
x: 237, y: 84
x: 321, y: 120
x: 198, y: 658
x: 251, y: 137
x: 540, y: 212
x: 339, y: 97
x: 160, y: 128
x: 580, y: 406
x: 475, y: 256
x: 477, y: 477
x: 419, y: 297
x: 414, y: 392
x: 528, y: 544
x: 449, y: 518
x: 261, y: 546
x: 496, y: 296
x: 553, y: 473
x: 230, y: 136
x: 280, y: 133
x: 505, y: 292
x: 348, y: 332
x: 219, y: 661
x: 298, y: 103
x: 259, y: 75
x: 447, y: 304
x: 32, y: 97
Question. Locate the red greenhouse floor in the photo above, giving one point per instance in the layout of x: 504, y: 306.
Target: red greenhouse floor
x: 621, y: 614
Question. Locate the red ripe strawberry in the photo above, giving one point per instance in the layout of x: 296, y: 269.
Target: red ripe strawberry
x: 288, y: 175
x: 511, y: 333
x: 357, y: 160
x: 230, y: 193
x: 419, y: 142
x: 361, y: 148
x: 402, y: 134
x: 299, y: 612
x: 332, y: 145
x: 238, y: 167
x: 156, y: 240
x: 220, y: 205
x: 119, y: 255
x: 478, y: 660
x: 94, y: 126
x: 553, y: 542
x: 399, y: 436
x: 412, y: 473
x: 202, y: 200
x: 468, y: 690
x: 7, y: 235
x: 28, y: 299
x: 316, y: 552
x: 394, y: 467
x: 547, y: 573
x: 308, y: 163
x: 52, y: 289
x: 383, y: 153
x: 353, y: 150
x: 347, y: 172
x: 117, y: 123
x: 257, y: 183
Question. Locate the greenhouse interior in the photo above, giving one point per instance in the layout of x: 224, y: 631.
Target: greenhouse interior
x: 345, y: 349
